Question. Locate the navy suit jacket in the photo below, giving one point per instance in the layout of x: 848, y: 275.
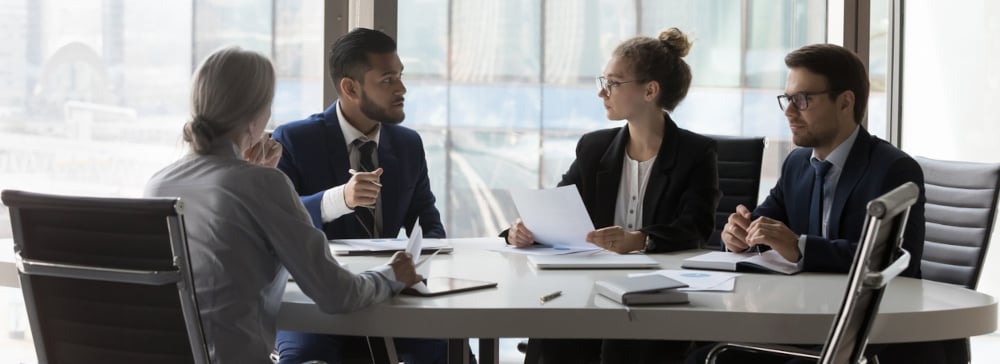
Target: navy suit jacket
x: 681, y: 195
x: 315, y: 159
x: 873, y: 168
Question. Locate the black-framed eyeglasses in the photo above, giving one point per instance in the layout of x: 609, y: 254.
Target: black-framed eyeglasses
x: 606, y: 84
x: 800, y: 100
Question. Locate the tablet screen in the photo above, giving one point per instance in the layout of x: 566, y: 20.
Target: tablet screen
x: 435, y: 286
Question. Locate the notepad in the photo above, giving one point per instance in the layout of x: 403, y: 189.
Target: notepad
x: 642, y: 290
x: 769, y: 261
x: 592, y: 261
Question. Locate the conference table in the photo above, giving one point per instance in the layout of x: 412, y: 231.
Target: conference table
x: 763, y: 308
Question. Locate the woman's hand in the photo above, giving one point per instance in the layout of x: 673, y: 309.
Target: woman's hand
x: 265, y: 152
x: 519, y: 236
x: 616, y: 239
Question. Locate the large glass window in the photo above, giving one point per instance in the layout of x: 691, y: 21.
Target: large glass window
x: 501, y: 91
x: 949, y: 83
x: 93, y: 93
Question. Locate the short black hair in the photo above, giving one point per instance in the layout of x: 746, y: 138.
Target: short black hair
x: 842, y: 68
x: 349, y: 53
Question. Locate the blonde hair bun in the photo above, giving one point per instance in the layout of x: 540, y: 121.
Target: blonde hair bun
x: 676, y: 41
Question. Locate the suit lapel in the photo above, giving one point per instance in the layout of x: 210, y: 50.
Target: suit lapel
x: 854, y: 169
x: 336, y: 148
x: 608, y: 178
x: 391, y: 180
x: 659, y: 176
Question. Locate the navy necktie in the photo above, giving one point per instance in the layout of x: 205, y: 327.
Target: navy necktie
x: 816, y: 204
x: 366, y: 215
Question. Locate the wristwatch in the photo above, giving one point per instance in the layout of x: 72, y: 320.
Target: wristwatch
x: 650, y: 245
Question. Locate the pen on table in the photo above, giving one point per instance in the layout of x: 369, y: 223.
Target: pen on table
x: 352, y: 171
x: 551, y: 296
x: 757, y: 248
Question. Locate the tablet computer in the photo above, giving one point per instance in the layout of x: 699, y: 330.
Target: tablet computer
x: 436, y: 286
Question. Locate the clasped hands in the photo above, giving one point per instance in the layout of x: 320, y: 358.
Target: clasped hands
x: 612, y: 238
x: 741, y: 233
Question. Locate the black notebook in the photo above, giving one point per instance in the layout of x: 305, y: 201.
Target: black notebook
x: 642, y: 290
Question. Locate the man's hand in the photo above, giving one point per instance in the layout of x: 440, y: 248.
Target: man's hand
x: 616, y: 239
x: 775, y: 234
x: 734, y: 234
x: 402, y: 267
x: 363, y: 189
x: 265, y: 152
x: 519, y: 236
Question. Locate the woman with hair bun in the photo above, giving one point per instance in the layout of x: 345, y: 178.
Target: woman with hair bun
x: 649, y: 186
x: 247, y: 229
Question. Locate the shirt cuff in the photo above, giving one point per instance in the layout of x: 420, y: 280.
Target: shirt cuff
x: 386, y: 271
x: 333, y: 205
x: 802, y: 251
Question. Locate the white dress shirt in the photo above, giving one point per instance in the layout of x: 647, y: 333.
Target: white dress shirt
x: 247, y: 230
x: 631, y: 190
x: 334, y: 205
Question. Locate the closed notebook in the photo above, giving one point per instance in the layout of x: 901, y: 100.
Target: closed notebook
x: 642, y: 290
x: 768, y: 261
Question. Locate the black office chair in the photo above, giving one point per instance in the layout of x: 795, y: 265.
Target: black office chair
x: 739, y: 164
x: 879, y: 258
x: 960, y: 209
x: 106, y: 280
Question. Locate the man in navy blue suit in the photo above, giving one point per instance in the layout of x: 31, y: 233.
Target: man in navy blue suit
x: 815, y: 213
x: 360, y: 175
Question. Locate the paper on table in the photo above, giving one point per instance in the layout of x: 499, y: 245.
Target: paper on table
x: 555, y: 216
x: 413, y: 246
x: 539, y: 249
x: 699, y: 280
x: 386, y: 244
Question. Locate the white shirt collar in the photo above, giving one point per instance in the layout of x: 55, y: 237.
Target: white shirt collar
x: 839, y: 154
x: 351, y: 133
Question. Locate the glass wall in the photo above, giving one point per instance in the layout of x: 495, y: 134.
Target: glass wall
x: 950, y: 77
x: 93, y: 93
x: 501, y: 91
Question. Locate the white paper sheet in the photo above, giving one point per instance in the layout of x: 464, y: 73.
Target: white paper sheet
x: 699, y: 280
x: 415, y: 243
x: 556, y: 216
x: 538, y: 249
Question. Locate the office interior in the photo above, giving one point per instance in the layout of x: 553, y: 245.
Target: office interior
x: 93, y: 93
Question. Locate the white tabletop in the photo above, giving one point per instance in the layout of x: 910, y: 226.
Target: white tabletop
x: 762, y: 308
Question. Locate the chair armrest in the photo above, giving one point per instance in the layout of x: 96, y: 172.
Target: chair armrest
x: 880, y: 279
x: 76, y: 271
x: 762, y: 348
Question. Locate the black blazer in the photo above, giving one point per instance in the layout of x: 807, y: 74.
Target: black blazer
x: 873, y: 167
x: 681, y: 195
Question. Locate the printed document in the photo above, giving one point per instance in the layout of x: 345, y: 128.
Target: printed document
x: 556, y: 217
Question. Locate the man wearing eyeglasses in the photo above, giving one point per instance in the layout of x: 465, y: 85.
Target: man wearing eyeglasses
x: 815, y: 213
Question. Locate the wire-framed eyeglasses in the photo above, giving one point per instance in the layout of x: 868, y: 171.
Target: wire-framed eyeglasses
x: 800, y: 100
x: 606, y: 84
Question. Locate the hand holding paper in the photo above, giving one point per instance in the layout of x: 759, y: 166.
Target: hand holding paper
x: 555, y: 216
x: 415, y: 243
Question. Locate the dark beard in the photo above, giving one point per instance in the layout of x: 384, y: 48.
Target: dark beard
x: 377, y: 113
